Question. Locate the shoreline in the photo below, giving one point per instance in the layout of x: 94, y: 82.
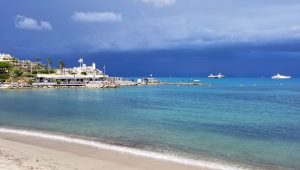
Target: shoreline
x: 97, y: 151
x: 91, y: 86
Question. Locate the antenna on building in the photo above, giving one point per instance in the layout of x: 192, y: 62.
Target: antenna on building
x: 80, y: 62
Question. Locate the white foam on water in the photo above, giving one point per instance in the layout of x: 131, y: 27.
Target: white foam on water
x: 122, y: 149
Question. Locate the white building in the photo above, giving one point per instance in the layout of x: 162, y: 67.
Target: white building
x: 83, y: 69
x: 5, y: 57
x: 81, y: 74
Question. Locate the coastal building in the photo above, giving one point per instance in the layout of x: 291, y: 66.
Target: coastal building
x: 24, y: 65
x: 77, y: 75
x: 83, y: 69
x: 5, y: 58
x: 70, y: 78
x: 150, y: 80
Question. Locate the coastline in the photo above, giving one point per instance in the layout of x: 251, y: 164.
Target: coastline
x: 23, y: 149
x: 113, y: 85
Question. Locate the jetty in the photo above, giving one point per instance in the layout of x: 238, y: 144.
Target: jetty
x: 183, y: 83
x: 153, y: 81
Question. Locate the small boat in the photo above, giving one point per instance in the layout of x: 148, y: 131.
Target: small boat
x: 278, y: 76
x: 219, y: 76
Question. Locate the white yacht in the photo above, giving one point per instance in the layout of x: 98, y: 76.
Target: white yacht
x: 219, y: 76
x: 278, y: 76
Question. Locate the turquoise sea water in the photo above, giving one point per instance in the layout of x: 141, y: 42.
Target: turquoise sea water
x: 239, y: 120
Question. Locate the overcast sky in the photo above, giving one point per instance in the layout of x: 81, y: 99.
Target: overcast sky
x: 162, y: 37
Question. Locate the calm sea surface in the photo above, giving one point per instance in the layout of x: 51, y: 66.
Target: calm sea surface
x: 248, y: 121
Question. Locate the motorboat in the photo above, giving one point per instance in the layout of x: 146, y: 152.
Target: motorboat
x: 216, y: 76
x: 278, y: 76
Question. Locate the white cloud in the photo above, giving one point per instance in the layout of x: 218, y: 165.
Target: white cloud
x: 160, y: 3
x: 23, y: 22
x: 97, y: 17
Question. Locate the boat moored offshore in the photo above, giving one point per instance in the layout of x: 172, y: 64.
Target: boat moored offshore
x: 216, y: 76
x: 278, y: 76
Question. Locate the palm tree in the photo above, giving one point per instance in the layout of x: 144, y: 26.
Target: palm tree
x: 37, y: 67
x: 61, y: 66
x: 49, y: 63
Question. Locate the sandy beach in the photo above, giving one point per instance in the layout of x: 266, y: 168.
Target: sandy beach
x: 18, y: 152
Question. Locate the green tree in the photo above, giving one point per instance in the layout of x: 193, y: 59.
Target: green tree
x: 3, y: 77
x: 61, y: 65
x: 38, y: 65
x: 15, y: 73
x: 4, y: 71
x: 4, y: 67
x: 49, y: 63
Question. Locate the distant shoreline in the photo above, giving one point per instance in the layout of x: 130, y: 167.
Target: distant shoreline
x: 17, y: 86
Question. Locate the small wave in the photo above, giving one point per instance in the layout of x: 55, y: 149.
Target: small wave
x: 132, y: 151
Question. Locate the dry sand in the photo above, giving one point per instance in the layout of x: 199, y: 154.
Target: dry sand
x: 19, y: 152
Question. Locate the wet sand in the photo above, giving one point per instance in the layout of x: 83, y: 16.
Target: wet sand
x: 21, y: 152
